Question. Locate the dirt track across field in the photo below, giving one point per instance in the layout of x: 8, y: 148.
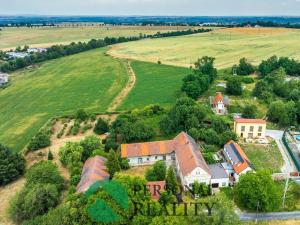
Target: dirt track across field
x: 123, y: 94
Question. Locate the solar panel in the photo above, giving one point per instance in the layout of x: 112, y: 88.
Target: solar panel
x: 240, y: 158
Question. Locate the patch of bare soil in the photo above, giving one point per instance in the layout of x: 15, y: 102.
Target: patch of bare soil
x: 123, y: 94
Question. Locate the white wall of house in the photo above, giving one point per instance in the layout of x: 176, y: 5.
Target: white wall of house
x: 199, y: 175
x: 222, y: 182
x: 149, y: 160
x: 237, y: 176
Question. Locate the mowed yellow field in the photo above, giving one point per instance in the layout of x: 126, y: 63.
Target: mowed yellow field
x: 47, y: 36
x: 226, y: 45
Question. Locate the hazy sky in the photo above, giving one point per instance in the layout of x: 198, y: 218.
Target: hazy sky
x: 151, y: 7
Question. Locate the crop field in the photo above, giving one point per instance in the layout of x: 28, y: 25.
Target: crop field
x: 47, y: 36
x: 88, y: 80
x: 155, y: 84
x: 226, y: 45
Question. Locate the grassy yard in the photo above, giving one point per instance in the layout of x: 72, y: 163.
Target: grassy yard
x: 88, y: 80
x: 226, y: 45
x: 47, y: 36
x: 138, y: 171
x: 264, y: 156
x: 155, y: 84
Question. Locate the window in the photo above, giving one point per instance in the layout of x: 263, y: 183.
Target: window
x: 140, y: 160
x: 243, y: 128
x: 252, y: 128
x: 224, y: 184
x: 164, y: 158
x: 260, y: 128
x: 250, y: 135
x: 155, y: 157
x: 148, y: 159
x: 259, y: 134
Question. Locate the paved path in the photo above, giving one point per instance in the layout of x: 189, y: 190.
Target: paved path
x: 288, y: 162
x: 123, y: 94
x: 270, y: 216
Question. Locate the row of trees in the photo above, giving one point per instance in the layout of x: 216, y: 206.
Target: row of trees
x: 58, y: 51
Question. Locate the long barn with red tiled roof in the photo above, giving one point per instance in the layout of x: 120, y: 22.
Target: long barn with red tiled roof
x: 182, y: 152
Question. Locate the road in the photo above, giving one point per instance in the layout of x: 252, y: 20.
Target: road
x: 288, y: 162
x: 270, y: 216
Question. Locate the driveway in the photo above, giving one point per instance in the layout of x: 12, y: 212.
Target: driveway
x: 288, y: 166
x: 270, y: 216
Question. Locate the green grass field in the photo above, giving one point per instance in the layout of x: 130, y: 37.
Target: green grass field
x: 155, y: 84
x: 47, y: 36
x: 264, y: 157
x: 88, y: 80
x: 226, y: 45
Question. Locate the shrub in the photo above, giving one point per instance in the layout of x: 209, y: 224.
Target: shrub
x: 157, y: 172
x: 11, y: 165
x: 89, y: 144
x: 50, y: 155
x: 234, y: 87
x: 101, y: 126
x: 41, y: 140
x: 81, y: 115
x: 244, y: 67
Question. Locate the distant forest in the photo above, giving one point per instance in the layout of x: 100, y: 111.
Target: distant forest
x: 154, y: 20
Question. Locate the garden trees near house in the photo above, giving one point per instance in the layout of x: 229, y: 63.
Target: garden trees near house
x: 265, y: 195
x: 113, y: 163
x: 186, y: 114
x: 171, y: 182
x: 266, y: 67
x: 157, y: 172
x: 249, y: 112
x: 284, y: 114
x: 205, y: 65
x: 263, y: 90
x: 90, y: 144
x: 71, y: 154
x: 12, y: 165
x: 41, y: 140
x: 234, y: 86
x: 244, y: 67
x: 201, y: 190
x: 101, y: 126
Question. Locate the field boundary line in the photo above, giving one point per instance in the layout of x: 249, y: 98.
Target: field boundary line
x: 124, y: 93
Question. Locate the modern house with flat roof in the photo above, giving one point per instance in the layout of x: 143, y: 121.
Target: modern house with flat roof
x: 250, y: 128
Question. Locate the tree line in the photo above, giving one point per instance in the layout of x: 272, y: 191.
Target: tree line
x: 58, y: 51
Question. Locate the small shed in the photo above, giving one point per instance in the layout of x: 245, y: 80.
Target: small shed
x: 3, y: 79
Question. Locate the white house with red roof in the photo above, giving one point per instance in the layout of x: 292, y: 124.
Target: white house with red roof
x: 219, y: 103
x: 183, y: 153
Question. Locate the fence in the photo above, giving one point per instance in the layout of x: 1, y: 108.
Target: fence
x: 286, y: 144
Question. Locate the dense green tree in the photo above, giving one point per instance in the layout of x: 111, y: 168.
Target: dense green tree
x: 89, y: 144
x: 282, y: 113
x: 186, y: 114
x: 244, y: 67
x: 41, y: 140
x: 298, y: 111
x: 101, y: 126
x: 195, y: 84
x: 205, y: 65
x: 34, y: 201
x: 266, y: 67
x: 201, y: 189
x: 44, y: 172
x: 257, y: 191
x: 219, y: 125
x: 157, y: 172
x: 234, y: 86
x: 171, y: 182
x: 113, y: 163
x: 12, y: 165
x: 71, y: 155
x: 261, y: 88
x: 249, y: 111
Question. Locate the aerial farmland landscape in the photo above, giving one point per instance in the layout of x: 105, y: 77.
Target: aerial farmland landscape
x: 148, y: 112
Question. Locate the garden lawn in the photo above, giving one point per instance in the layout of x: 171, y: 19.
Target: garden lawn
x: 155, y: 84
x: 264, y: 156
x: 88, y: 80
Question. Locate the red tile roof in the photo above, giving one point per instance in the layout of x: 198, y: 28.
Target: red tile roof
x: 218, y: 98
x: 242, y: 120
x: 94, y: 169
x: 187, y: 152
